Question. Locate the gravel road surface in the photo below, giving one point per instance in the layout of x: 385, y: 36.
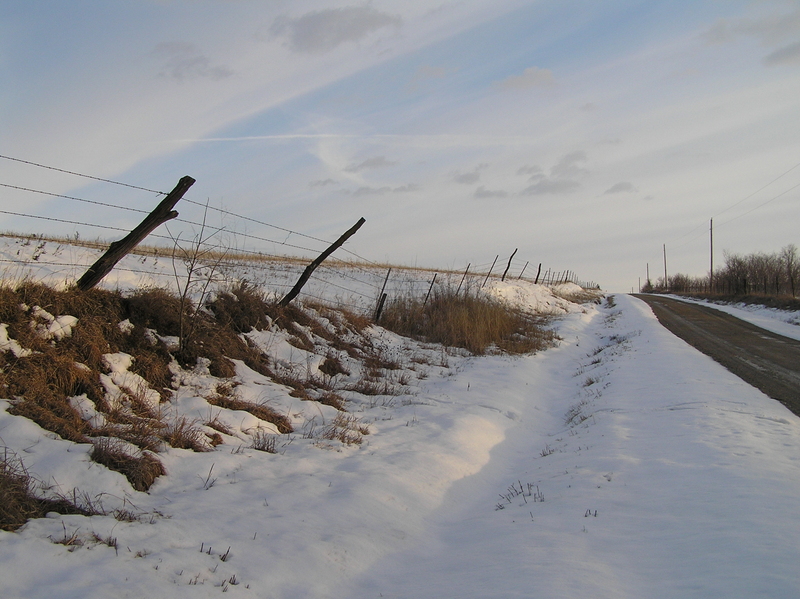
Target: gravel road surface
x: 768, y: 361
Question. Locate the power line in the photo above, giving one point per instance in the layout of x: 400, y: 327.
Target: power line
x: 760, y: 205
x: 107, y: 205
x: 58, y: 195
x: 783, y: 174
x: 220, y: 210
x: 61, y: 170
x: 59, y: 220
x: 703, y: 233
x: 757, y: 191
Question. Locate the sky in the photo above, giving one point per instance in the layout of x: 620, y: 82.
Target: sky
x: 586, y: 135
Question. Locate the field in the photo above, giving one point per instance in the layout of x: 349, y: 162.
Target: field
x: 315, y: 454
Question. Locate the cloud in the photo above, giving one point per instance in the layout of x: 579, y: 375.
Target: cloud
x: 369, y: 163
x: 483, y: 193
x: 183, y: 62
x: 322, y: 183
x: 531, y: 77
x: 467, y: 178
x: 621, y: 187
x: 546, y: 186
x: 565, y: 176
x: 406, y: 188
x: 470, y: 177
x: 778, y: 31
x: 787, y: 55
x: 369, y: 191
x: 323, y: 30
x: 569, y: 166
x: 426, y: 71
x: 534, y: 170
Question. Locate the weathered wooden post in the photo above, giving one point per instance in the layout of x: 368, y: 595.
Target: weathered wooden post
x: 431, y: 289
x: 490, y: 271
x: 119, y: 249
x: 313, y: 266
x: 381, y: 298
x: 505, y: 272
x: 379, y: 308
x: 523, y: 270
x: 462, y: 278
x: 538, y: 272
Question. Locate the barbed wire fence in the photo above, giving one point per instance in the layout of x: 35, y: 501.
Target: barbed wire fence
x: 346, y: 280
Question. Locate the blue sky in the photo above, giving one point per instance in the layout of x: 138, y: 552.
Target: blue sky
x: 586, y: 134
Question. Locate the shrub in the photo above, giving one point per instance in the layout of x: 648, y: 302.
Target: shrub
x: 475, y: 322
x: 241, y: 307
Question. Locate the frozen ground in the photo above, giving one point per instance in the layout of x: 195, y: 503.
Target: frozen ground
x: 622, y: 463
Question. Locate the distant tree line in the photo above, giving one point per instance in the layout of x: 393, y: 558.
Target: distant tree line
x: 776, y: 274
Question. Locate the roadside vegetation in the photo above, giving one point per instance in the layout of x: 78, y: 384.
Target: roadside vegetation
x: 759, y: 278
x: 472, y: 321
x: 61, y: 350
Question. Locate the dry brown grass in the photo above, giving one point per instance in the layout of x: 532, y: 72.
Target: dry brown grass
x: 225, y: 398
x: 141, y: 471
x: 475, y: 322
x: 242, y: 307
x: 345, y: 428
x: 183, y: 433
x: 18, y: 499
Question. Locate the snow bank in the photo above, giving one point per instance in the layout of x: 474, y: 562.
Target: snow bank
x: 540, y: 299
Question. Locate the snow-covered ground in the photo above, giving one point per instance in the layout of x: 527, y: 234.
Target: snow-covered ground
x: 621, y: 463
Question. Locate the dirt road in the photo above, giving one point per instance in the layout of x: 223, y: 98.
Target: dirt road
x: 768, y: 361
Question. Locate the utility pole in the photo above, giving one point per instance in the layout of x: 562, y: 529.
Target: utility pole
x: 711, y: 242
x: 666, y: 280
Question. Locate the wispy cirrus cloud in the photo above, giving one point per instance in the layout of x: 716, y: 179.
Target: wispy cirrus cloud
x: 787, y: 55
x: 323, y: 183
x: 323, y: 30
x: 482, y: 193
x: 184, y: 62
x: 780, y: 31
x: 621, y: 187
x: 530, y: 78
x: 371, y: 191
x: 530, y: 170
x: 369, y: 163
x: 470, y: 177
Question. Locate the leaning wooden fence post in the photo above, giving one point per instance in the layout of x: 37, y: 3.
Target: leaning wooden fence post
x: 431, y: 289
x: 523, y: 270
x: 119, y: 249
x: 462, y: 278
x: 379, y: 308
x: 381, y: 298
x: 538, y: 272
x: 505, y: 272
x: 490, y: 271
x: 312, y: 267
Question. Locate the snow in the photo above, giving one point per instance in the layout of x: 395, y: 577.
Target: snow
x: 622, y: 463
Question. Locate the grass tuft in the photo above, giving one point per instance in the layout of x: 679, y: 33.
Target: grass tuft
x: 18, y: 501
x: 141, y: 471
x: 475, y: 322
